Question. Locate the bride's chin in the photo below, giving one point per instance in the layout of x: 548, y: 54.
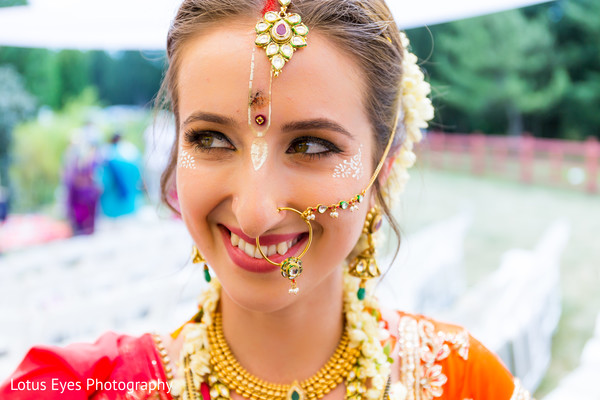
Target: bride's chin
x: 269, y: 296
x: 270, y: 293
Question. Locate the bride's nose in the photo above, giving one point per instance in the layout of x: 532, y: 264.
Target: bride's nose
x: 256, y: 196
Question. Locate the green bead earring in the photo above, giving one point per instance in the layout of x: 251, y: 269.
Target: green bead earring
x: 197, y: 258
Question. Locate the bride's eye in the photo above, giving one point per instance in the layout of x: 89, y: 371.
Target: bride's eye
x: 208, y: 140
x: 312, y: 147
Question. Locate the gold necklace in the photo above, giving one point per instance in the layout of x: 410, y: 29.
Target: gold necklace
x: 228, y: 374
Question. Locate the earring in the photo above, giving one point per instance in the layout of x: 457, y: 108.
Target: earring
x: 197, y: 258
x: 364, y: 265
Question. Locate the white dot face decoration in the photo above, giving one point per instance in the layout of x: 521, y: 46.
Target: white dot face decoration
x: 186, y: 160
x: 352, y: 168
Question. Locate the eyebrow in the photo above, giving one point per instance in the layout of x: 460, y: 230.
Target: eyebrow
x: 316, y: 124
x: 209, y: 117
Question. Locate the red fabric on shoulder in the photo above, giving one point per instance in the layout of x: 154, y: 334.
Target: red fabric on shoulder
x: 106, y: 369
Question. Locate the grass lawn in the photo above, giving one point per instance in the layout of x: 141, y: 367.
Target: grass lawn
x: 511, y: 215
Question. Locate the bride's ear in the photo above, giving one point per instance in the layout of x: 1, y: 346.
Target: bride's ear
x: 386, y: 170
x: 384, y: 175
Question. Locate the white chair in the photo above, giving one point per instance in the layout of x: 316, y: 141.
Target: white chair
x: 515, y: 311
x: 427, y: 276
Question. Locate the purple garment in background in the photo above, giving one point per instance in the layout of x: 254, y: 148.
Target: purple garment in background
x: 82, y: 188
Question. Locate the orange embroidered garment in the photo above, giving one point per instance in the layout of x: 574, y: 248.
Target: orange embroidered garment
x: 437, y: 361
x: 442, y: 361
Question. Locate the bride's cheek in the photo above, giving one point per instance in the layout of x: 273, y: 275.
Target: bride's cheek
x: 198, y: 189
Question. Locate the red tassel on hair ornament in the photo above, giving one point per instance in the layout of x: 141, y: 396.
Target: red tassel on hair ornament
x: 270, y: 5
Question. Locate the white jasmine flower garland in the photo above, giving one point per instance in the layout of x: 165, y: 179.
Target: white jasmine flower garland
x: 417, y: 111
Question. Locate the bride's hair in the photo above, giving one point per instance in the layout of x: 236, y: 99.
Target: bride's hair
x: 363, y: 29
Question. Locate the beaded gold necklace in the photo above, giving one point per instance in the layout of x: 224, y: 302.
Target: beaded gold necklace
x: 228, y: 372
x: 223, y: 373
x: 209, y: 366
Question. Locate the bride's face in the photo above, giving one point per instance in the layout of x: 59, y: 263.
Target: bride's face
x: 319, y: 150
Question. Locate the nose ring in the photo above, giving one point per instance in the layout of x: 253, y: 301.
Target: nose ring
x: 291, y: 267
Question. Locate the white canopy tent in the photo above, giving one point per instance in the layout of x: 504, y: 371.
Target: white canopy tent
x: 143, y: 25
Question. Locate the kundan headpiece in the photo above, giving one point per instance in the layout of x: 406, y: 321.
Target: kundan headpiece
x: 280, y: 34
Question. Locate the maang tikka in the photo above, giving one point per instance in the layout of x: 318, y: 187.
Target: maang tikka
x: 280, y: 34
x: 364, y: 265
x: 198, y: 258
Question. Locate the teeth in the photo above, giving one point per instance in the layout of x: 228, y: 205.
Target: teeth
x: 257, y: 253
x: 282, y: 248
x: 252, y: 251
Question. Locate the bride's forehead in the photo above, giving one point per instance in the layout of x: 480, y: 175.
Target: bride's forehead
x: 220, y: 60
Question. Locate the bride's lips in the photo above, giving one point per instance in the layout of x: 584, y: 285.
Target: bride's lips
x: 244, y: 261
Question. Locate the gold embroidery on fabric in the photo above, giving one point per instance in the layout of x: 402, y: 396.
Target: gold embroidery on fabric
x: 420, y: 348
x: 164, y: 356
x: 520, y: 393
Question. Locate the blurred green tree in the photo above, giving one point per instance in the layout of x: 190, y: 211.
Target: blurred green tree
x: 498, y: 68
x: 40, y: 72
x: 74, y: 71
x: 55, y: 77
x: 578, y: 34
x: 132, y: 78
x: 16, y: 104
x: 10, y: 3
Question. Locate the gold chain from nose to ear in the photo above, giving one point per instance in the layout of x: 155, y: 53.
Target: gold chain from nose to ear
x: 310, y: 212
x: 229, y: 372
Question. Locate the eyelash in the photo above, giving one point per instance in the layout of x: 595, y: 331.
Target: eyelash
x: 331, y: 148
x: 194, y: 137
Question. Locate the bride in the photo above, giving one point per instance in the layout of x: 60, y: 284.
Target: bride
x: 294, y: 118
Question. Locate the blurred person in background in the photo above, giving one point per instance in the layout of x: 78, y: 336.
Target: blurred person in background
x: 158, y: 139
x: 82, y: 161
x: 3, y: 204
x: 120, y: 178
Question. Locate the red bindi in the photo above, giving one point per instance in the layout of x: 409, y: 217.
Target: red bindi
x: 260, y: 119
